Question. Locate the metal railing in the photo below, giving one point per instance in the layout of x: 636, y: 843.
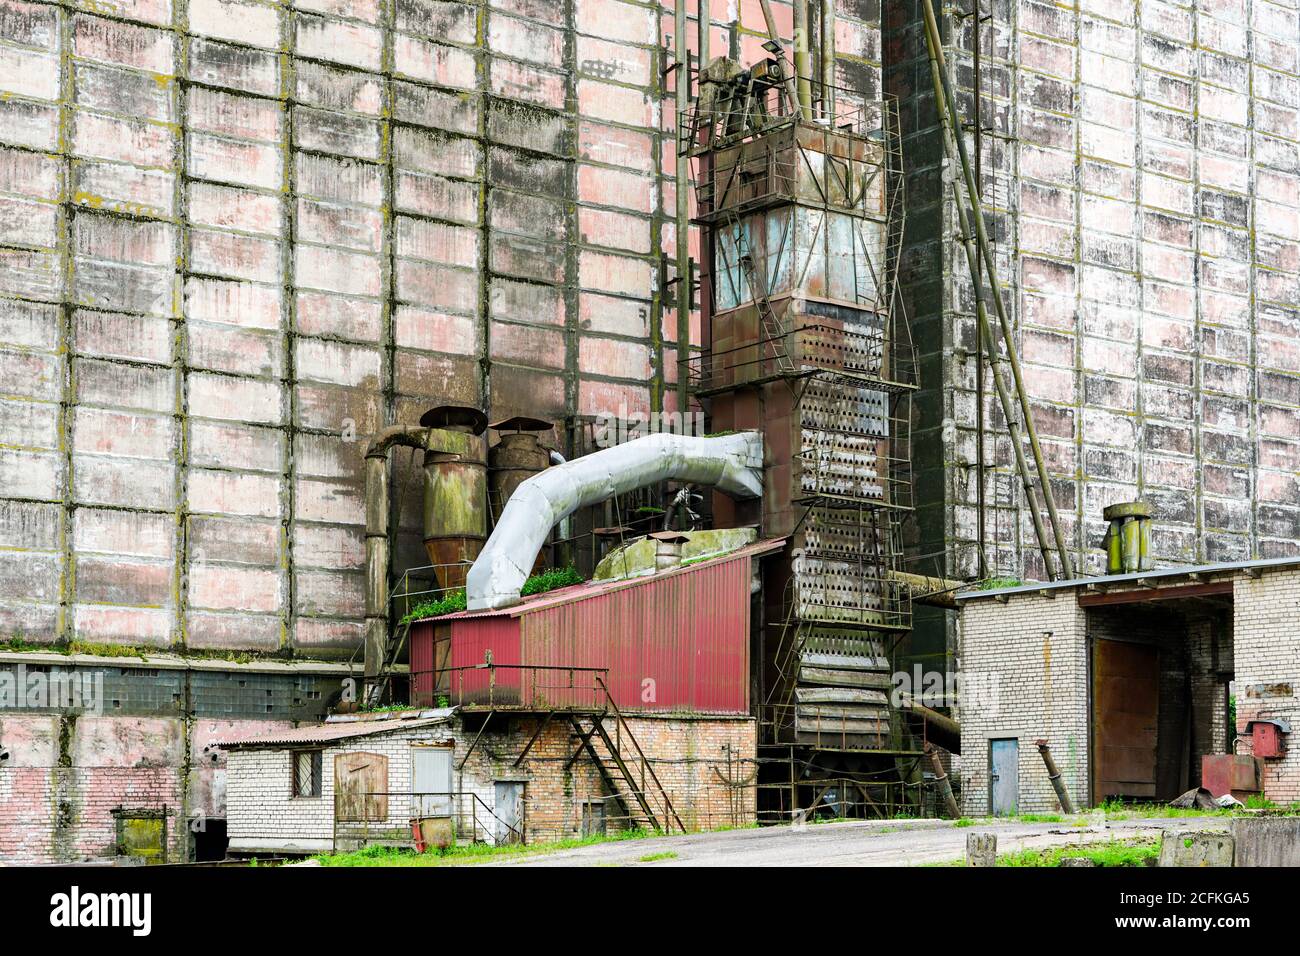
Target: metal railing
x: 520, y: 687
x: 472, y: 820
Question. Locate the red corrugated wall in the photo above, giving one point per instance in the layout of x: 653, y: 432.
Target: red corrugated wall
x: 673, y: 642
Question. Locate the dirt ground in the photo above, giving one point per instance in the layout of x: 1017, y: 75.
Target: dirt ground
x: 867, y: 843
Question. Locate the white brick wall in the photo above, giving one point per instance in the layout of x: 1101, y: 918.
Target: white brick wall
x: 1035, y: 647
x: 1266, y: 625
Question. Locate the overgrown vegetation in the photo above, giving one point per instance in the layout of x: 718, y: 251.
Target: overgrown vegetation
x: 454, y: 601
x: 653, y: 857
x: 467, y: 853
x: 1133, y: 852
x: 995, y: 584
x: 551, y: 580
x: 447, y: 604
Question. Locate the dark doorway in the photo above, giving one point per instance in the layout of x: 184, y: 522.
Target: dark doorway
x: 210, y: 842
x: 1126, y: 701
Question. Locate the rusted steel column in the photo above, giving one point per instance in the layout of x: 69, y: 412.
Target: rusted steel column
x: 828, y: 60
x: 1054, y: 775
x: 802, y: 58
x: 941, y: 782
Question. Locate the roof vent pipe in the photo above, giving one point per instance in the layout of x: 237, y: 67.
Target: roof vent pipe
x: 732, y: 463
x: 668, y: 548
x: 1128, y: 538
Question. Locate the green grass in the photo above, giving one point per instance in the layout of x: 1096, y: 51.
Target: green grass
x: 652, y: 857
x: 551, y: 580
x: 1041, y: 818
x: 466, y: 853
x: 964, y: 822
x: 1134, y: 852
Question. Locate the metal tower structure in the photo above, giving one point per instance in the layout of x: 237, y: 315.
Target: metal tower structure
x: 800, y: 211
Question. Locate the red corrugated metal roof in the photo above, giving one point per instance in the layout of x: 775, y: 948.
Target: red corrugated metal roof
x: 581, y: 592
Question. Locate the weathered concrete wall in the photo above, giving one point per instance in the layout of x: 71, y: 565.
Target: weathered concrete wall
x: 1142, y: 177
x: 690, y: 757
x: 241, y: 236
x: 138, y: 746
x: 238, y: 236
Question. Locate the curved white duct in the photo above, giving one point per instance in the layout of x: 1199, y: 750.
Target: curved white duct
x: 732, y: 463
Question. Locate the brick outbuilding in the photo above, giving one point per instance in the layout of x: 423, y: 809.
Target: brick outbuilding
x: 1132, y: 679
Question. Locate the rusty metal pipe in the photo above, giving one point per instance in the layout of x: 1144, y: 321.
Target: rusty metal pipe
x: 942, y: 729
x: 941, y: 782
x: 802, y: 58
x: 1054, y: 775
x: 828, y: 60
x: 775, y: 36
x: 377, y: 531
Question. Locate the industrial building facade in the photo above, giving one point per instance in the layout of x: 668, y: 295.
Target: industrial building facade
x: 1144, y: 686
x: 239, y: 238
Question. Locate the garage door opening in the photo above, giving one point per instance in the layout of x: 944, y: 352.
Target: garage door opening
x: 1160, y: 672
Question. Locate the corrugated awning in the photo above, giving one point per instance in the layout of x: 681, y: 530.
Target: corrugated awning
x: 334, y: 731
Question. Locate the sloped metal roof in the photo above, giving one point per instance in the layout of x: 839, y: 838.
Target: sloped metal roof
x: 591, y: 589
x: 336, y: 730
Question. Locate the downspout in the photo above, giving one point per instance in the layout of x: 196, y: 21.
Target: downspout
x: 732, y: 463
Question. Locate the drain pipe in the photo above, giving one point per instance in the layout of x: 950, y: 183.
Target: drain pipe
x: 1054, y: 775
x: 732, y: 463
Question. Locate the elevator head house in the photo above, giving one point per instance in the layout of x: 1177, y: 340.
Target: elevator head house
x: 1145, y: 685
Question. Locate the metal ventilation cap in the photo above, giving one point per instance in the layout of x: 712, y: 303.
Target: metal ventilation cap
x: 522, y: 423
x: 459, y: 418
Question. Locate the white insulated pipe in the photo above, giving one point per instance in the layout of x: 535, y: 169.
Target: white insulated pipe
x: 731, y: 463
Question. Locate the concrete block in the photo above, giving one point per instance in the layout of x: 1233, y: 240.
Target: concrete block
x: 123, y: 482
x: 333, y: 133
x: 352, y: 44
x: 217, y: 587
x: 252, y: 24
x: 113, y: 41
x: 981, y: 849
x: 333, y: 270
x: 126, y: 189
x: 225, y: 161
x: 234, y: 67
x: 238, y: 351
x: 232, y: 540
x: 339, y: 179
x: 124, y: 532
x: 320, y: 313
x: 1195, y: 848
x: 234, y: 399
x: 436, y: 331
x: 216, y: 492
x: 532, y: 84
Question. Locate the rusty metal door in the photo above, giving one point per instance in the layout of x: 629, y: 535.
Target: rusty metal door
x: 360, y: 787
x: 1125, y: 707
x: 1004, y: 777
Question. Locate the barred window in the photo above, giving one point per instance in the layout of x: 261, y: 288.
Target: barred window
x: 306, y: 773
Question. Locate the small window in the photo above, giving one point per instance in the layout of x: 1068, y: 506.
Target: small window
x: 306, y: 773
